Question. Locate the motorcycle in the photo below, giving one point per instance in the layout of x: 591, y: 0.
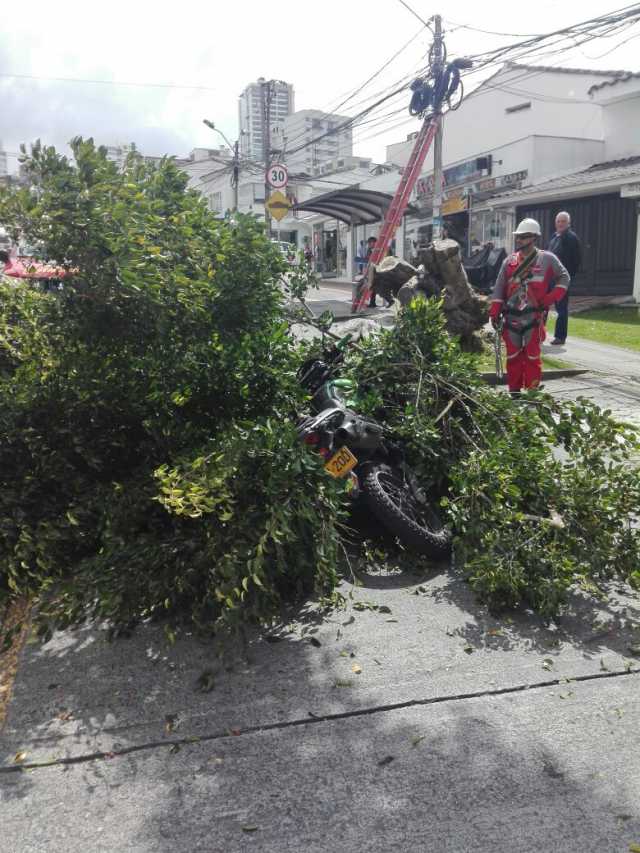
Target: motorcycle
x: 359, y: 448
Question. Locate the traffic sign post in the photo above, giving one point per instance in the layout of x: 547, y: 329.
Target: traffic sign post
x: 278, y: 205
x: 277, y: 176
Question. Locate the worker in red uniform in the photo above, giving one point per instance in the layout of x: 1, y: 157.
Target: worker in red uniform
x: 522, y: 295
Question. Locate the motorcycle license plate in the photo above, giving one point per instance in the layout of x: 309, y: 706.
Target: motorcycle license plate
x: 341, y: 463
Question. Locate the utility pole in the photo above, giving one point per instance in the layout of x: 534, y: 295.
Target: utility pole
x: 265, y: 90
x: 236, y: 174
x: 235, y: 162
x: 437, y: 69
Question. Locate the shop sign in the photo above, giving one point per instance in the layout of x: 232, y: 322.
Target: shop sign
x: 510, y: 181
x: 458, y: 174
x: 455, y: 205
x: 450, y: 177
x: 484, y: 186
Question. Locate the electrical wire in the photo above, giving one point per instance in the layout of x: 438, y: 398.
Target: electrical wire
x: 44, y: 78
x: 362, y: 86
x: 488, y: 32
x: 349, y: 123
x: 614, y: 19
x: 615, y: 47
x: 413, y: 12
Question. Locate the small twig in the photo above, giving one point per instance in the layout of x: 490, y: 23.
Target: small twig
x: 354, y: 577
x: 418, y: 392
x: 468, y: 437
x: 446, y: 409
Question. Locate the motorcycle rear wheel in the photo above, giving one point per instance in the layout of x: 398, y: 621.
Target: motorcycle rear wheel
x: 418, y: 525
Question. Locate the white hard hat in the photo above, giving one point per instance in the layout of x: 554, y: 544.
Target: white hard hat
x: 528, y: 226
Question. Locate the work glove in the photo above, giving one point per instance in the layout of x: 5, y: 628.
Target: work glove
x: 495, y: 314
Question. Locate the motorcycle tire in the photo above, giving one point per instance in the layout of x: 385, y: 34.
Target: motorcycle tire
x: 416, y: 525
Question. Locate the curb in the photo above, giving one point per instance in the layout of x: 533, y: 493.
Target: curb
x: 547, y: 375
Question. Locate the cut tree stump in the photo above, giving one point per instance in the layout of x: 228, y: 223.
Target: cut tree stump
x: 440, y: 273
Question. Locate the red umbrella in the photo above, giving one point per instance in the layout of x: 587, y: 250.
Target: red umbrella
x: 29, y: 268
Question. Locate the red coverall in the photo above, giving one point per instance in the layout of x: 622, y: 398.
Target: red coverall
x: 523, y: 301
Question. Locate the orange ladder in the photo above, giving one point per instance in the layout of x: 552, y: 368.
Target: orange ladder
x: 396, y: 209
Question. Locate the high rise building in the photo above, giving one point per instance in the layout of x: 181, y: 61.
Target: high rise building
x: 251, y: 114
x: 303, y: 127
x: 3, y: 162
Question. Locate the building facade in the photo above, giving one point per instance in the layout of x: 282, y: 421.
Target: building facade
x: 532, y: 141
x: 304, y: 126
x: 524, y: 125
x: 278, y: 96
x: 603, y: 199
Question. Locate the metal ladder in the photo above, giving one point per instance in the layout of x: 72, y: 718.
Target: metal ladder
x: 396, y: 210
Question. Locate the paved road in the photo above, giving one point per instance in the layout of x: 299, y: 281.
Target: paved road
x: 427, y: 725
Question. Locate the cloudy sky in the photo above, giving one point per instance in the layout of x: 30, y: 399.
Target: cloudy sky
x: 200, y: 57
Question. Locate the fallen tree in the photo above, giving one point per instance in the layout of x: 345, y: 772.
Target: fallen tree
x: 440, y: 273
x: 149, y: 465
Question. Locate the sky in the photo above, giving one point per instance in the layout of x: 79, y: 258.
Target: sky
x: 326, y: 50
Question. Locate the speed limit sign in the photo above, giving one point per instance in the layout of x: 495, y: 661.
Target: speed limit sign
x: 277, y: 176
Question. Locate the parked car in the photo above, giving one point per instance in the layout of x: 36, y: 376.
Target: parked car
x: 288, y: 251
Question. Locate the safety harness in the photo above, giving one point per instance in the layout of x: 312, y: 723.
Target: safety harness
x: 521, y: 274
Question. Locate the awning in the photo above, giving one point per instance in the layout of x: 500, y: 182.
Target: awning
x: 353, y: 206
x: 30, y: 268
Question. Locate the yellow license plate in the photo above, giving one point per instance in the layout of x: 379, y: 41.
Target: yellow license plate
x: 341, y: 463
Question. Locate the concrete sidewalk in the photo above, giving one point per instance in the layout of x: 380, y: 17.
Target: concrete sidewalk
x: 600, y: 358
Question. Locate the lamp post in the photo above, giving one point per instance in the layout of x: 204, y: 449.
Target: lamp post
x: 235, y: 161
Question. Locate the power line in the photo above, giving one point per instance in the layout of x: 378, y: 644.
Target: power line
x: 346, y: 124
x: 107, y: 82
x: 615, y: 47
x: 413, y: 12
x: 613, y: 19
x: 366, y: 83
x: 489, y: 32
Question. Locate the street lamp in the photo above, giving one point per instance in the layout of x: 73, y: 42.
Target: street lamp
x: 235, y: 162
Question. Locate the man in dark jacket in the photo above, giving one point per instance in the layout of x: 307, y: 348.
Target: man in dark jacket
x: 565, y: 245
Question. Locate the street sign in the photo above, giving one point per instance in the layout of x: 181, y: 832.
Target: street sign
x: 278, y: 205
x: 277, y: 176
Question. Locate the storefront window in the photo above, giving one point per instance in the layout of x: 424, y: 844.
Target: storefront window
x: 492, y: 226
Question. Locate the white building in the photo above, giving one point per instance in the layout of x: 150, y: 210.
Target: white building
x: 328, y: 237
x: 527, y: 127
x: 273, y: 96
x: 202, y: 161
x: 602, y: 199
x: 119, y: 153
x: 304, y: 126
x: 3, y: 162
x: 531, y: 141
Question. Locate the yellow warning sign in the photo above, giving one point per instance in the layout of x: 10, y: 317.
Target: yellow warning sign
x: 278, y: 205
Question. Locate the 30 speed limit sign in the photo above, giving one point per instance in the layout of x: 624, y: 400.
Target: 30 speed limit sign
x: 277, y: 176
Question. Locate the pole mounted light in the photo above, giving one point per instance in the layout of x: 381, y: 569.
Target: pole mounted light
x: 212, y: 126
x: 235, y: 161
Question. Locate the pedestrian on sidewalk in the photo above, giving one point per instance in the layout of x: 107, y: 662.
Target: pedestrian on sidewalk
x: 371, y: 242
x: 308, y: 254
x: 361, y: 260
x: 529, y: 282
x: 565, y: 245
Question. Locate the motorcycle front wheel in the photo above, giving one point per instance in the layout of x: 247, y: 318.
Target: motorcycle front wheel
x: 390, y: 498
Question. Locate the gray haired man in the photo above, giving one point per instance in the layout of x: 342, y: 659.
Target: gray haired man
x: 565, y: 245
